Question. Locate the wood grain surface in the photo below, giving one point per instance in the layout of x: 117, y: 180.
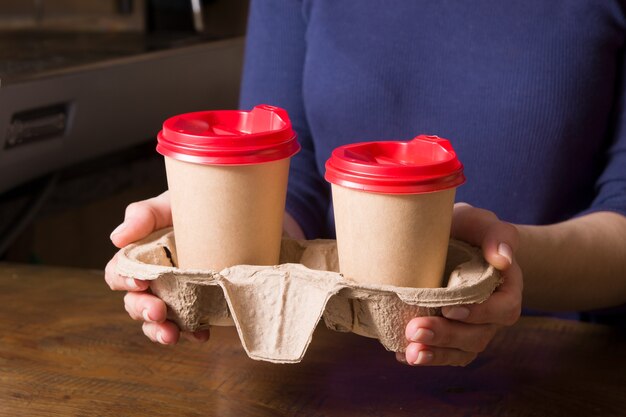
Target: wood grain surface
x: 67, y: 348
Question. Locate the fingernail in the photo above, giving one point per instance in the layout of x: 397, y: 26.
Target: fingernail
x: 423, y: 357
x: 118, y: 229
x: 130, y: 283
x: 423, y: 336
x: 145, y: 315
x: 159, y: 337
x: 505, y: 251
x: 456, y: 313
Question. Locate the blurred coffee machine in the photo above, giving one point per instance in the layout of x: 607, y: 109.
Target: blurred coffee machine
x: 85, y: 85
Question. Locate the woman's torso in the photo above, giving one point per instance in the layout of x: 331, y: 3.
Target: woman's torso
x: 525, y: 90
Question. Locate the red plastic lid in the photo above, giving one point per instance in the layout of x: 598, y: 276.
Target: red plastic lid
x: 422, y: 165
x: 229, y: 137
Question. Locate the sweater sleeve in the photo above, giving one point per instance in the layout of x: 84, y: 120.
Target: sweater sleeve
x: 273, y: 74
x: 611, y: 184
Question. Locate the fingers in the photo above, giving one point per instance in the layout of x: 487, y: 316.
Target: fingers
x: 165, y: 333
x: 418, y: 354
x: 142, y: 218
x: 466, y: 330
x: 436, y: 341
x: 469, y: 223
x: 146, y: 307
x: 119, y: 283
x: 503, y: 307
x: 499, y: 240
x: 153, y: 311
x: 440, y: 332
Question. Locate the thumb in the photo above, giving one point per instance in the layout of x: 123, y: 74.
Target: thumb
x: 142, y: 218
x: 499, y: 240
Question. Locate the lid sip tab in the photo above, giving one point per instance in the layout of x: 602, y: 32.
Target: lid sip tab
x: 422, y: 165
x: 229, y: 137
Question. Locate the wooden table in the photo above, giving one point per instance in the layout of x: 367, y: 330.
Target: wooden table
x: 67, y: 348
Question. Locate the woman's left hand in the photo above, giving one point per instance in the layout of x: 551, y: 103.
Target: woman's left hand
x: 465, y: 331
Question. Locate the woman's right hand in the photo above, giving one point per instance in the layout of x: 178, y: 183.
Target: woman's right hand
x: 141, y: 219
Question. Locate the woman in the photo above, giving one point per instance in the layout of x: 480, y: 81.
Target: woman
x: 531, y: 95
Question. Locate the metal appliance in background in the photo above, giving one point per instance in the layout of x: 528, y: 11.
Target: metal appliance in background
x: 71, y: 95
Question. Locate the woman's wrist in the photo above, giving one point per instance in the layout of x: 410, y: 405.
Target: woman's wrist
x: 575, y: 265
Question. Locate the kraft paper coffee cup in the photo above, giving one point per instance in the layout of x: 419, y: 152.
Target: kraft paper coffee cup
x: 393, y: 206
x: 227, y: 176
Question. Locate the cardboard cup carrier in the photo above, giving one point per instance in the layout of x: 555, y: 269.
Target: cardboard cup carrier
x: 393, y: 206
x: 276, y: 308
x: 227, y: 177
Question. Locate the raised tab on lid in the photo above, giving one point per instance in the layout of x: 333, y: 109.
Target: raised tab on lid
x: 424, y: 164
x: 229, y: 137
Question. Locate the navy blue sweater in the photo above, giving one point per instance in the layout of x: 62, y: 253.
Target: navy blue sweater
x: 530, y: 93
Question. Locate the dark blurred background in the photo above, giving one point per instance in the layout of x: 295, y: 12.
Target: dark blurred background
x: 84, y: 88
